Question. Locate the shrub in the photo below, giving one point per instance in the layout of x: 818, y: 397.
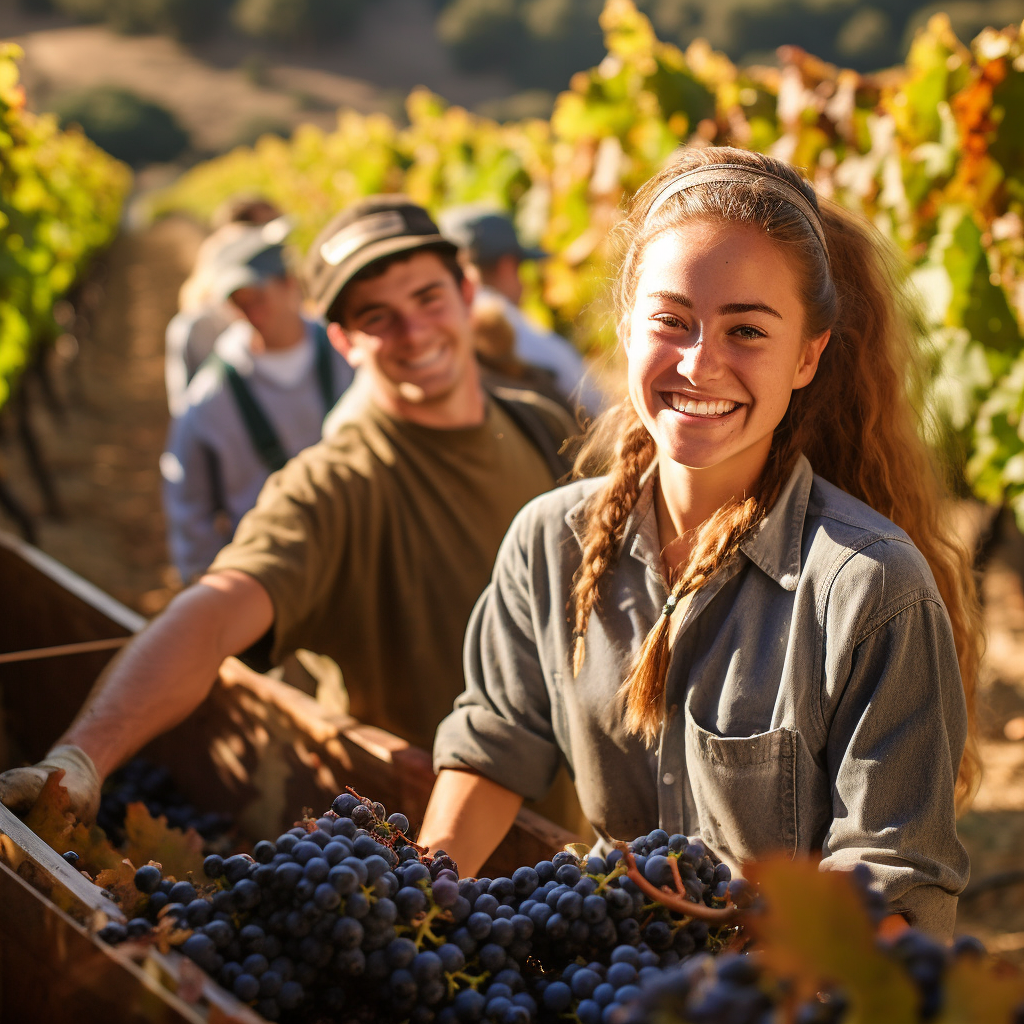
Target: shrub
x: 185, y: 19
x: 128, y: 127
x: 295, y: 19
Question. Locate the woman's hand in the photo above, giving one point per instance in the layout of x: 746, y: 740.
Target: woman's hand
x: 467, y: 817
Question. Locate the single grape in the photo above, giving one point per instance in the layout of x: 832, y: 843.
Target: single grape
x: 558, y: 997
x: 445, y: 892
x: 182, y: 892
x: 399, y: 822
x: 246, y: 987
x: 264, y: 851
x: 147, y: 878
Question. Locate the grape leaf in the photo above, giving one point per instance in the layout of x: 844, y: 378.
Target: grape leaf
x: 815, y: 931
x: 119, y: 881
x: 52, y: 820
x: 167, y: 933
x: 148, y: 838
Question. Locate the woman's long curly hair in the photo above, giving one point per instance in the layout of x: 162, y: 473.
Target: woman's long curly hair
x: 855, y: 421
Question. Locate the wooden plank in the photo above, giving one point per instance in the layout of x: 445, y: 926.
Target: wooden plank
x: 51, y: 873
x: 52, y: 969
x: 62, y: 580
x: 63, y: 650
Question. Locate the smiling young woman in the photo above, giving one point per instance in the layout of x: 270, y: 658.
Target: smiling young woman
x: 771, y: 635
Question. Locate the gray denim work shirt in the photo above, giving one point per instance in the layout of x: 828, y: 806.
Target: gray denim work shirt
x: 814, y: 701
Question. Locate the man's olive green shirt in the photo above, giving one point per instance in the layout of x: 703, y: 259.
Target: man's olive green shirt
x: 374, y: 545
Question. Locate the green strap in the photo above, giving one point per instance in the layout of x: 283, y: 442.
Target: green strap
x: 257, y: 425
x: 260, y: 430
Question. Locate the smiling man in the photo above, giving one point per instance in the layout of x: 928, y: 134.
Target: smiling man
x: 370, y: 547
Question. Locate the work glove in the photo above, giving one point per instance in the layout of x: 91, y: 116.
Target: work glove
x: 20, y: 787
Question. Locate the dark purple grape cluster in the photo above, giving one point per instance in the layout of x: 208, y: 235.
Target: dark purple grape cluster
x: 141, y: 781
x: 585, y: 910
x: 346, y: 919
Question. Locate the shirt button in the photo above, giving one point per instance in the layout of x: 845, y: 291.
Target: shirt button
x: 668, y: 778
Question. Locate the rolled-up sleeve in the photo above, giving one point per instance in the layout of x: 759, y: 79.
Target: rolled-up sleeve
x: 501, y: 725
x: 894, y: 748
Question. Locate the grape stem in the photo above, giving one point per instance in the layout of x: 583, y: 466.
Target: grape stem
x: 605, y: 880
x: 424, y: 929
x: 473, y: 981
x: 393, y: 833
x: 676, y: 901
x: 673, y: 863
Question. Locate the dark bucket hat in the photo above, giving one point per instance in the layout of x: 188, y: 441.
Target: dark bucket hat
x: 360, y: 235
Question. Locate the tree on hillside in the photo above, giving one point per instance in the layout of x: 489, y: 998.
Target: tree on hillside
x: 128, y: 127
x: 294, y: 19
x: 184, y: 19
x: 542, y: 42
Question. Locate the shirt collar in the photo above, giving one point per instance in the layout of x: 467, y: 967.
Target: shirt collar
x: 774, y: 546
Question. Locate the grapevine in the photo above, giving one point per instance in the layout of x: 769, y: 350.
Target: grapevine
x: 60, y: 202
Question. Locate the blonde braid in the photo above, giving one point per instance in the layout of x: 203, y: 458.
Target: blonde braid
x: 605, y: 525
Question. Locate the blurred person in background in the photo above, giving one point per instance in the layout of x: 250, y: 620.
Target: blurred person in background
x: 492, y: 253
x: 494, y: 339
x: 245, y: 208
x: 201, y: 316
x: 260, y: 397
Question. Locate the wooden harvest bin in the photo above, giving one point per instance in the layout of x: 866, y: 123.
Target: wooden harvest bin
x: 257, y: 749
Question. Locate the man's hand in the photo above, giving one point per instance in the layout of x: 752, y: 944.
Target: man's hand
x: 20, y: 787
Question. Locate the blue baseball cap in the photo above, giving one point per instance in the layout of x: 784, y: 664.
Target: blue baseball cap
x: 484, y: 235
x: 248, y: 257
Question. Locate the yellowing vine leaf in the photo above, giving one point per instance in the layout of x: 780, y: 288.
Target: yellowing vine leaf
x: 119, y: 881
x: 166, y: 933
x: 53, y: 821
x: 51, y: 818
x: 148, y: 838
x: 981, y: 993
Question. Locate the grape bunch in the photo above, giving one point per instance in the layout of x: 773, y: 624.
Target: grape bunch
x: 142, y: 781
x: 344, y: 918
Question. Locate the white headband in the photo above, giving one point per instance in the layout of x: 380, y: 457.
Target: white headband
x: 711, y: 173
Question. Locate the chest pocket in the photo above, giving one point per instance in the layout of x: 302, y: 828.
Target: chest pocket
x: 744, y: 790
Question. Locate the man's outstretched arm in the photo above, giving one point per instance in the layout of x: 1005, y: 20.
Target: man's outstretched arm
x: 160, y: 678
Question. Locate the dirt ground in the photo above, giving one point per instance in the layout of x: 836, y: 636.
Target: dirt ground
x: 102, y: 449
x: 103, y: 452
